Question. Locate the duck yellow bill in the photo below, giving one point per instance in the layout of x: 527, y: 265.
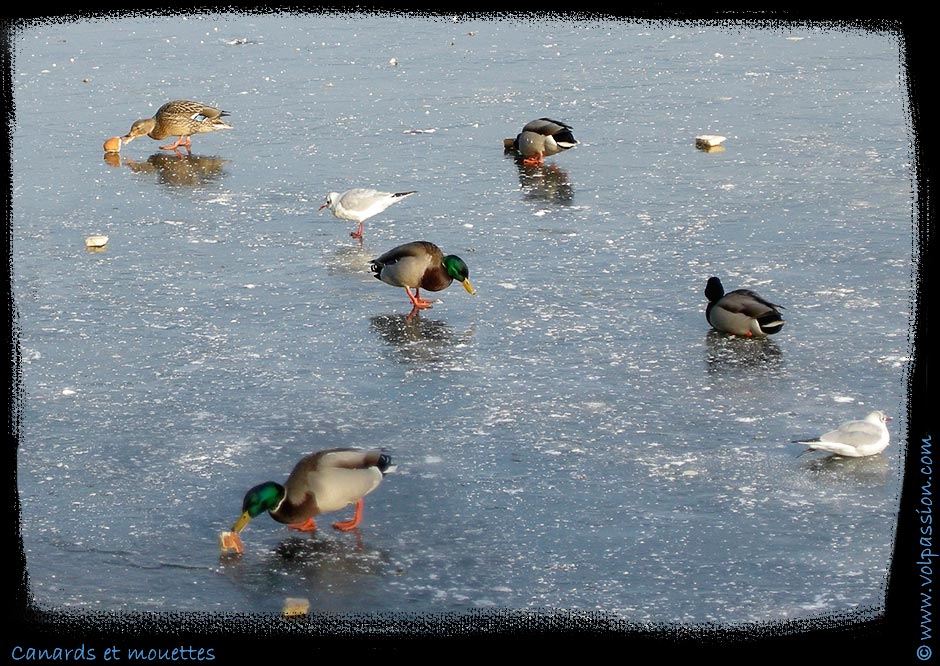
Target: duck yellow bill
x: 241, y: 522
x: 469, y: 287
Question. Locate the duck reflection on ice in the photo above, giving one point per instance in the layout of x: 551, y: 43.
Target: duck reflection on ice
x: 418, y: 339
x: 304, y: 567
x: 327, y: 564
x: 305, y: 550
x: 544, y: 182
x: 725, y: 352
x: 174, y: 169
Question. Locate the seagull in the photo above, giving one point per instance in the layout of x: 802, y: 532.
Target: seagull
x: 361, y: 203
x: 741, y: 312
x: 854, y: 439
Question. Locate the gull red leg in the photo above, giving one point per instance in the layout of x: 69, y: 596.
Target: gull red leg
x: 347, y: 525
x: 358, y: 232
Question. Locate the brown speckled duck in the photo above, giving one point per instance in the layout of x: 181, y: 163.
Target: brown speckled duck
x: 421, y: 265
x: 321, y: 482
x: 180, y: 118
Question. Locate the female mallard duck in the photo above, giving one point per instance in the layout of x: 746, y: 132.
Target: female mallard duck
x: 180, y: 118
x: 421, y: 265
x: 361, y: 203
x: 854, y: 439
x: 319, y: 483
x: 541, y: 138
x: 741, y: 312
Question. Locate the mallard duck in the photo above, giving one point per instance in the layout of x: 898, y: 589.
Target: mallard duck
x: 361, y: 203
x: 741, y: 312
x: 541, y: 138
x: 421, y: 265
x: 180, y: 118
x: 319, y: 483
x: 854, y: 439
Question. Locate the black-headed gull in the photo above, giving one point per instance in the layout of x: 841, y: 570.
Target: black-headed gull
x: 855, y: 439
x: 741, y: 312
x: 361, y: 203
x: 541, y: 138
x: 421, y: 265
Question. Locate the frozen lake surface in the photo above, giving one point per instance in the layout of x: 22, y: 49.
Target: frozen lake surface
x: 574, y: 436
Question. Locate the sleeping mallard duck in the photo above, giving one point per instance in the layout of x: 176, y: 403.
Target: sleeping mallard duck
x: 319, y: 483
x: 741, y: 312
x: 421, y: 265
x: 541, y: 138
x: 180, y: 118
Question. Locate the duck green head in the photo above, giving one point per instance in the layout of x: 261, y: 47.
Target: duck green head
x: 457, y: 269
x: 263, y: 497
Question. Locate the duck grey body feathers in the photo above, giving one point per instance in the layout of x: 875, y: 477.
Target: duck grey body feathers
x: 412, y: 265
x: 328, y: 481
x: 741, y: 312
x: 420, y: 265
x: 542, y: 137
x: 321, y: 482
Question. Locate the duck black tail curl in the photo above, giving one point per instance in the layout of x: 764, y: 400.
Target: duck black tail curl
x: 770, y: 323
x: 385, y: 464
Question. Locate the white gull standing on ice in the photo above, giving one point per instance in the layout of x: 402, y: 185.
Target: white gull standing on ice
x: 854, y: 439
x: 361, y: 203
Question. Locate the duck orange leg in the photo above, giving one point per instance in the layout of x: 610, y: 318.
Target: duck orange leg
x: 182, y: 141
x: 308, y: 526
x: 535, y: 159
x: 417, y: 301
x: 347, y: 525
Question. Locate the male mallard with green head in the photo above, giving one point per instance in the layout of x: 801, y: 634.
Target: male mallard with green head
x: 540, y: 138
x: 321, y: 482
x: 741, y: 312
x: 421, y: 265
